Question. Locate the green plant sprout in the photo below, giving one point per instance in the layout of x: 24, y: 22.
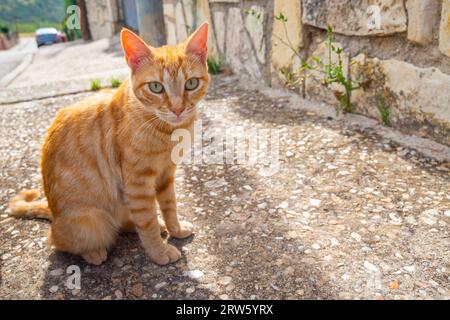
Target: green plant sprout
x: 214, y: 65
x: 115, y: 83
x: 384, y: 110
x: 95, y: 85
x: 333, y: 72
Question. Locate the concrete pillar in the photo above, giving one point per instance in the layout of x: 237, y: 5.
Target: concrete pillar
x: 151, y: 21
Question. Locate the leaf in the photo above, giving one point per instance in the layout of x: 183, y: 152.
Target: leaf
x: 316, y: 59
x: 281, y: 17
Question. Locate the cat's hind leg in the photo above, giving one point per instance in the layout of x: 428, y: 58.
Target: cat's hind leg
x: 86, y: 232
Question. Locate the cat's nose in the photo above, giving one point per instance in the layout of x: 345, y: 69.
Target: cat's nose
x: 177, y: 110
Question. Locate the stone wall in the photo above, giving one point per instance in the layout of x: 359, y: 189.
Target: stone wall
x: 103, y: 18
x: 401, y: 48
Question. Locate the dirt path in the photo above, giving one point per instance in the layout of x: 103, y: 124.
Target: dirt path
x: 346, y: 216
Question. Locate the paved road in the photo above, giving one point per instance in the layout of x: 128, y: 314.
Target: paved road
x: 10, y: 59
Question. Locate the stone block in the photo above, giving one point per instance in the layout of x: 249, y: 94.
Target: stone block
x: 356, y: 17
x: 444, y: 32
x: 281, y: 55
x: 422, y: 17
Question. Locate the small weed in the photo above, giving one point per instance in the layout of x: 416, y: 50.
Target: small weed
x: 332, y: 72
x: 115, y: 83
x: 214, y: 65
x: 95, y: 85
x: 384, y: 110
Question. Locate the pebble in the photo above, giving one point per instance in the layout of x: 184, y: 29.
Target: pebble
x: 283, y: 205
x: 118, y: 294
x: 225, y: 280
x: 328, y: 258
x: 395, y: 219
x: 160, y: 285
x: 316, y: 246
x: 53, y: 289
x: 289, y: 271
x: 56, y: 272
x: 138, y: 290
x: 314, y: 202
x: 433, y: 283
x: 224, y: 297
x: 334, y: 242
x: 76, y: 292
x: 356, y: 236
x: 429, y: 220
x: 409, y: 268
x: 447, y: 213
x: 230, y: 287
x: 194, y: 274
x: 429, y: 216
x: 190, y: 290
x: 215, y: 183
x: 394, y: 285
x: 411, y: 220
x: 262, y: 205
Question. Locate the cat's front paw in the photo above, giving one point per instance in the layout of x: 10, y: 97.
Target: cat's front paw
x: 183, y: 231
x: 166, y: 255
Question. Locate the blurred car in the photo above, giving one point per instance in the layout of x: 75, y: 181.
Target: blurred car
x: 47, y: 36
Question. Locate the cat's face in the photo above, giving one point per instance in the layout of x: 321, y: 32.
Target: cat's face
x: 168, y: 81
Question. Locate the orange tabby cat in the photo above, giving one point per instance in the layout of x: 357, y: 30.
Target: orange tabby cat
x: 107, y: 160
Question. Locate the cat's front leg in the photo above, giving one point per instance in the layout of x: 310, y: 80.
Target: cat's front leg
x: 141, y: 199
x: 165, y: 193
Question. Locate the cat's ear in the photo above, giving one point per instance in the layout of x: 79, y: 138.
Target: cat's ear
x: 196, y: 44
x: 135, y: 49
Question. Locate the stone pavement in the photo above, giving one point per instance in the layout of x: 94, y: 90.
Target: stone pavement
x: 348, y: 215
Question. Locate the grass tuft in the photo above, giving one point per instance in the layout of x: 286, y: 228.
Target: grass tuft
x: 214, y: 65
x: 384, y: 111
x: 115, y: 83
x: 95, y: 85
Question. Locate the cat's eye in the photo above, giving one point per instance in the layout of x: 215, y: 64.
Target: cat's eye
x: 156, y: 87
x: 192, y: 84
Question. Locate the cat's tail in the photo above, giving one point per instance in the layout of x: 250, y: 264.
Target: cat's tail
x: 23, y: 206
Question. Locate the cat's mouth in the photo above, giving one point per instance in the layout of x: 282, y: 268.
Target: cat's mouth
x: 175, y: 120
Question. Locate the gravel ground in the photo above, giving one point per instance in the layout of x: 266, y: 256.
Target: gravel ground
x: 347, y: 216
